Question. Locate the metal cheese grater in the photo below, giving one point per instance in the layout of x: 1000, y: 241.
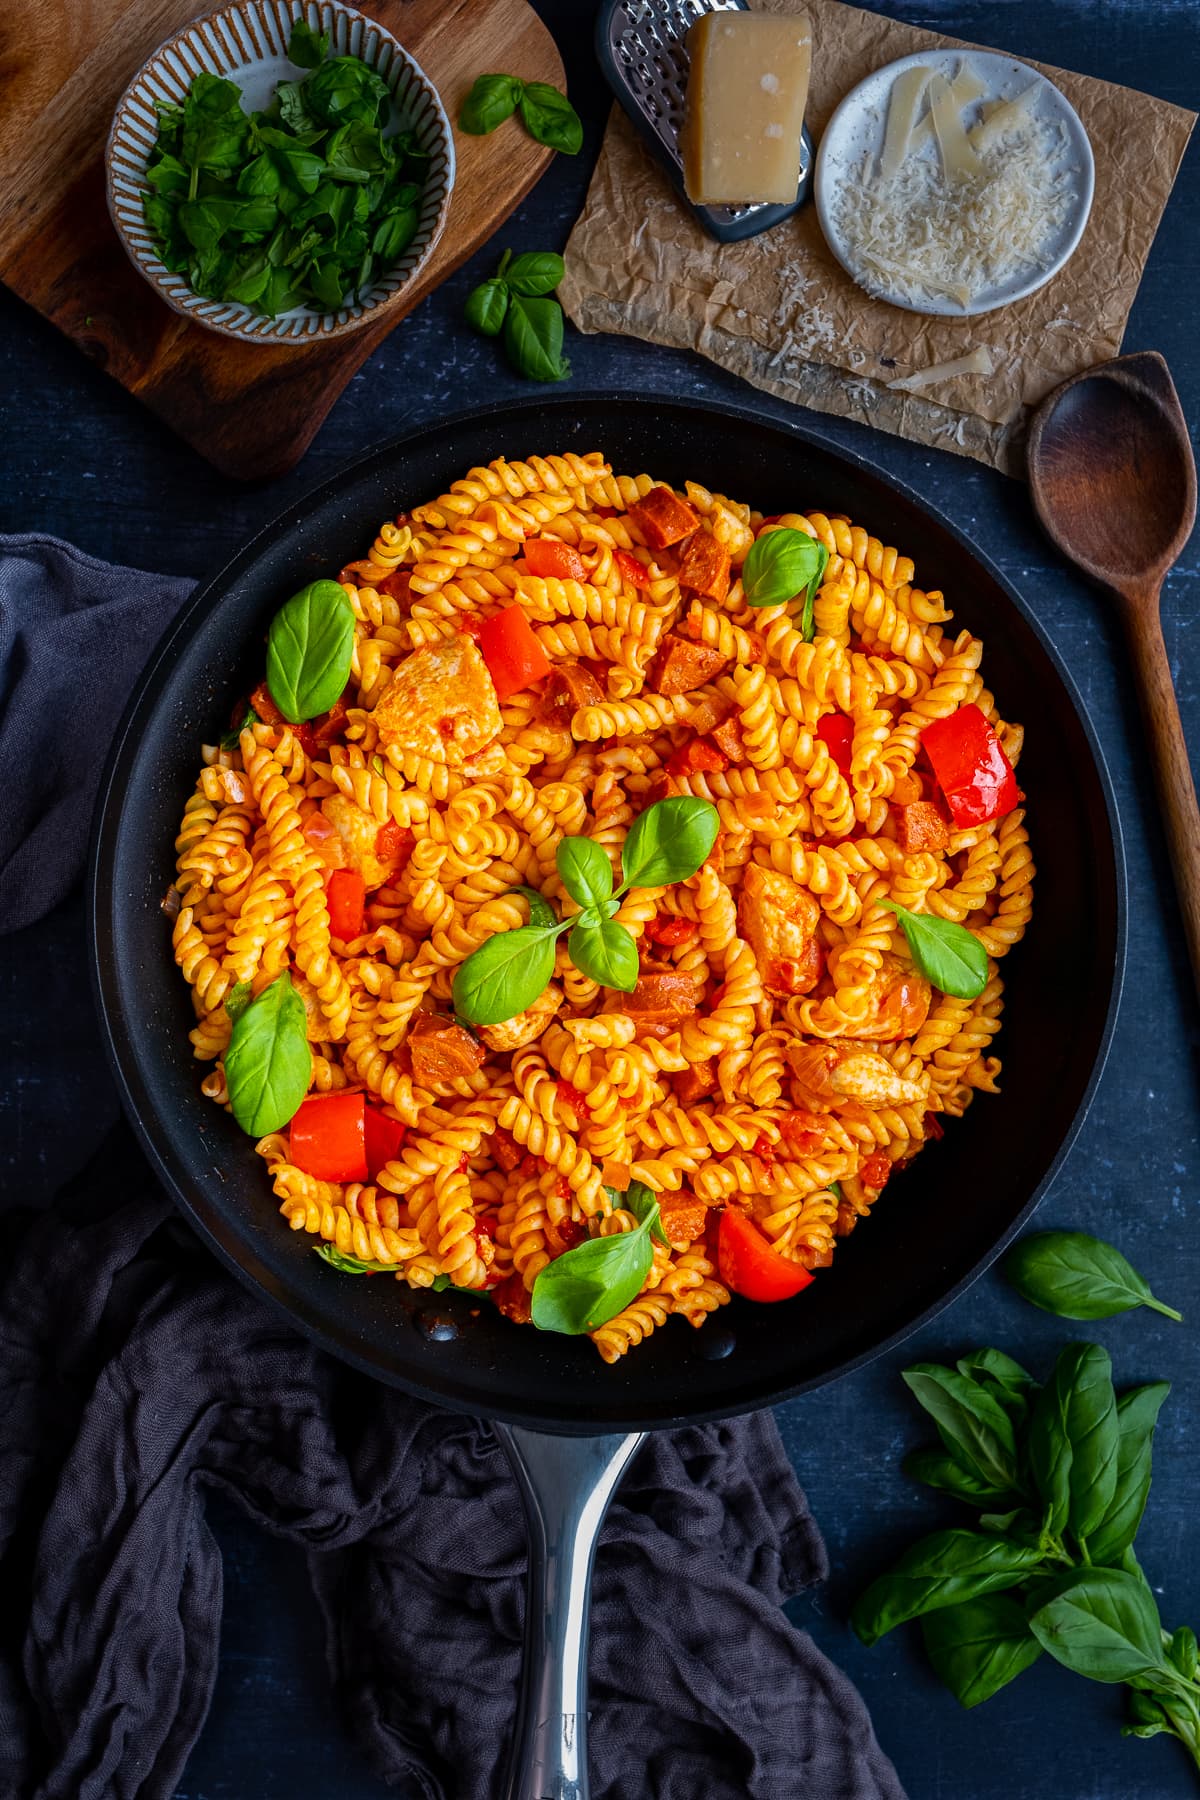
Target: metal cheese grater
x: 643, y: 53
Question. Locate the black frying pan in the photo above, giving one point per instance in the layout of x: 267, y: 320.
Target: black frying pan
x: 939, y: 1223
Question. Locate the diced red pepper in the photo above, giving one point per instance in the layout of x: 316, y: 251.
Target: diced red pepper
x: 696, y: 755
x: 514, y: 657
x: 669, y: 932
x: 346, y: 898
x: 327, y: 1137
x: 972, y: 770
x: 876, y: 1169
x: 749, y: 1266
x: 549, y: 557
x: 394, y: 843
x: 632, y: 571
x: 384, y: 1140
x: 837, y: 732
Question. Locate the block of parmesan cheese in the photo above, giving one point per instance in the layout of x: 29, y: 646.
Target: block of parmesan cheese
x: 747, y: 87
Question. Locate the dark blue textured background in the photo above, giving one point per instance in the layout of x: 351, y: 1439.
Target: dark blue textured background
x: 82, y: 460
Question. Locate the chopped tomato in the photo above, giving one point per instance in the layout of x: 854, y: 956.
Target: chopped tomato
x: 384, y: 1139
x: 803, y: 1131
x: 470, y: 625
x: 669, y: 932
x: 574, y: 1098
x: 393, y: 843
x: 972, y: 770
x: 764, y: 1149
x: 327, y: 1137
x: 749, y: 1266
x: 317, y: 734
x: 876, y: 1169
x: 837, y: 732
x: 547, y: 556
x: 505, y: 1149
x: 514, y: 657
x: 346, y: 898
x: 398, y: 584
x: 696, y: 755
x: 634, y: 572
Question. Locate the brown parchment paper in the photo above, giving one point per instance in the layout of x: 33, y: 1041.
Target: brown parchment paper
x: 779, y: 311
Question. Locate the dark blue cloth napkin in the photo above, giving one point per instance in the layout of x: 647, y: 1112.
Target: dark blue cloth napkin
x: 135, y: 1375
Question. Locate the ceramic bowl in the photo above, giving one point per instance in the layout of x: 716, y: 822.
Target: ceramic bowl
x: 247, y: 43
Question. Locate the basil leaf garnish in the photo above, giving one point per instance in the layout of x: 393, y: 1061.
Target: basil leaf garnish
x: 782, y: 565
x: 309, y: 650
x: 938, y: 1469
x: 1137, y: 1415
x: 238, y: 999
x: 1077, y: 1276
x: 486, y: 306
x: 492, y: 99
x: 584, y: 870
x: 605, y: 952
x: 642, y: 1202
x: 504, y: 976
x: 533, y: 338
x: 948, y: 955
x: 1101, y: 1623
x: 669, y: 841
x: 540, y: 910
x: 268, y: 1064
x: 1073, y: 1440
x: 973, y: 1427
x: 535, y: 272
x: 306, y: 47
x: 587, y: 1286
x: 979, y: 1646
x: 943, y: 1569
x: 353, y: 1265
x: 550, y: 118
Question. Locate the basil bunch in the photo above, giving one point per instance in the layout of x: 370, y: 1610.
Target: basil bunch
x: 310, y: 646
x: 666, y: 843
x: 299, y: 205
x: 948, y: 955
x: 1059, y: 1474
x: 546, y: 114
x: 1078, y: 1276
x: 268, y: 1064
x: 514, y: 300
x: 587, y: 1286
x: 782, y: 565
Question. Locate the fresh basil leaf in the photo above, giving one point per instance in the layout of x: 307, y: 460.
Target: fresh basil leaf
x: 642, y: 1202
x: 260, y: 175
x: 948, y: 955
x: 238, y: 999
x: 1000, y: 1371
x: 1101, y: 1623
x: 309, y: 650
x: 343, y: 88
x: 353, y: 1265
x: 533, y: 336
x: 215, y: 127
x: 1073, y: 1440
x: 587, y: 1286
x: 1049, y: 1450
x: 289, y: 102
x: 1137, y: 1415
x: 938, y: 1469
x: 307, y: 48
x: 550, y: 118
x: 669, y: 841
x: 486, y: 307
x: 504, y: 976
x: 1146, y: 1717
x: 355, y: 152
x: 325, y: 286
x: 605, y: 952
x: 979, y: 1646
x: 492, y: 99
x: 167, y: 175
x: 232, y: 739
x: 584, y: 870
x: 1077, y: 1276
x: 540, y: 910
x: 808, y: 628
x: 1182, y: 1652
x: 973, y: 1427
x: 394, y: 234
x: 1019, y: 1525
x: 268, y: 1064
x: 535, y: 272
x: 944, y: 1569
x: 782, y: 565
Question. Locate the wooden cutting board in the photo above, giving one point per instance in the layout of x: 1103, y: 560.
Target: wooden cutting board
x: 252, y: 412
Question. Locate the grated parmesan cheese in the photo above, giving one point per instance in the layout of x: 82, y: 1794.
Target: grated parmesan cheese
x: 964, y: 211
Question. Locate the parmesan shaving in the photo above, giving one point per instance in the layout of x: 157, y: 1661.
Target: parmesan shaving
x: 978, y: 362
x: 908, y: 91
x: 967, y: 86
x: 959, y: 161
x: 1002, y: 118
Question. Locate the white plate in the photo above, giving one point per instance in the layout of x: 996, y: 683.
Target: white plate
x: 857, y: 129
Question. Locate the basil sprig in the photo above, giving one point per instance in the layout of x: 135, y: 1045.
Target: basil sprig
x: 1055, y: 1570
x: 587, y: 1286
x: 948, y: 955
x: 1077, y: 1276
x: 546, y: 114
x: 514, y: 300
x: 785, y: 564
x: 666, y: 843
x: 268, y: 1064
x: 309, y: 650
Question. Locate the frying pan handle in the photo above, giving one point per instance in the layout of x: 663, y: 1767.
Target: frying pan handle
x: 566, y: 1484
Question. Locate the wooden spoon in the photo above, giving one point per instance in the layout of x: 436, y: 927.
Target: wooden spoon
x: 1114, y: 484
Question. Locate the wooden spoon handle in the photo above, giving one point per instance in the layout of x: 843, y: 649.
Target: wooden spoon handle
x: 1168, y: 750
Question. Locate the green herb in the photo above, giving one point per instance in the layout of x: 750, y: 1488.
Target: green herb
x: 486, y: 307
x: 231, y: 739
x: 534, y: 272
x: 666, y: 843
x: 238, y: 999
x: 547, y: 114
x: 353, y: 1265
x: 948, y: 955
x: 513, y: 300
x: 1056, y: 1572
x: 1078, y: 1277
x: 268, y: 1064
x: 533, y: 339
x: 309, y: 650
x: 784, y: 565
x: 587, y: 1286
x: 300, y: 204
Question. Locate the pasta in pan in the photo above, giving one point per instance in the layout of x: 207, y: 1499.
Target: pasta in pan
x: 539, y: 657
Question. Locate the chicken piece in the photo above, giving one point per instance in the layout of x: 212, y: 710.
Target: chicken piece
x: 704, y: 566
x: 729, y: 530
x: 920, y: 826
x: 514, y: 1034
x: 682, y: 666
x: 727, y: 736
x: 566, y: 688
x: 442, y: 1051
x: 899, y: 1003
x: 660, y: 1002
x: 683, y: 1218
x: 832, y: 1074
x: 663, y: 518
x: 778, y: 919
x: 695, y: 1083
x: 357, y: 835
x: 440, y: 702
